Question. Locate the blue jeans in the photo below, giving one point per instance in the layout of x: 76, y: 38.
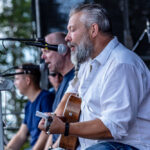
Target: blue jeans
x: 111, y: 146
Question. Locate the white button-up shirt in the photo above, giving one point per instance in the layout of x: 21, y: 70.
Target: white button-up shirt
x: 115, y: 87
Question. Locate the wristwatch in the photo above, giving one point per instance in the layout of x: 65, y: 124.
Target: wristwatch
x: 50, y: 147
x: 48, y: 132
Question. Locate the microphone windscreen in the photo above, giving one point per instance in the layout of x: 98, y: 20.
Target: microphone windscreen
x: 62, y: 49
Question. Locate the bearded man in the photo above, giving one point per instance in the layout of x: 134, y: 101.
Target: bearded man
x: 113, y: 83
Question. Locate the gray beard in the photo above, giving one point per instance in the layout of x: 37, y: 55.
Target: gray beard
x: 82, y: 52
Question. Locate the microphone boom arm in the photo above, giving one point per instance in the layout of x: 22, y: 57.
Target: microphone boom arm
x: 23, y: 40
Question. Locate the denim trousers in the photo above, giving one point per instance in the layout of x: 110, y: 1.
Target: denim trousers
x: 111, y: 146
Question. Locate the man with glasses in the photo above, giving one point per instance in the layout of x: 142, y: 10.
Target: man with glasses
x: 55, y: 80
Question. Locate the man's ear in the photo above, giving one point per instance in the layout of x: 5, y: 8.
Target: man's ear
x: 94, y: 30
x: 28, y: 80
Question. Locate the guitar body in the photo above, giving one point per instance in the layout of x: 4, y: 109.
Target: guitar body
x: 71, y: 114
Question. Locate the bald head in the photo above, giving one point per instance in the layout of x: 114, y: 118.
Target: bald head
x: 56, y: 38
x: 60, y: 63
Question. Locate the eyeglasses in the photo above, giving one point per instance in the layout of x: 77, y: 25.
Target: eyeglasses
x: 54, y: 74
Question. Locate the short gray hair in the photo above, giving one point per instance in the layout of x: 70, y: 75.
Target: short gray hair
x: 94, y: 13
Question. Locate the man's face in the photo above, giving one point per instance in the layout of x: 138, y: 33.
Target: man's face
x: 55, y: 79
x: 20, y: 82
x: 52, y: 58
x: 78, y: 40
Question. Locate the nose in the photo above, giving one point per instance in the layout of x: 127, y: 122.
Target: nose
x: 15, y: 82
x: 68, y: 37
x: 43, y: 56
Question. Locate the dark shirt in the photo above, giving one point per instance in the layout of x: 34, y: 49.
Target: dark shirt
x: 61, y: 91
x: 62, y: 88
x: 43, y: 103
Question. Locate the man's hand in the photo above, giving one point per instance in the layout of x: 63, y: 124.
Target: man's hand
x: 57, y: 125
x: 46, y: 120
x: 41, y: 125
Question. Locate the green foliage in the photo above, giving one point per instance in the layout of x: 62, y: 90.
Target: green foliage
x: 16, y: 22
x: 26, y: 145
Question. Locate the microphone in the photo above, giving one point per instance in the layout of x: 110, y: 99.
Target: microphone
x: 148, y: 30
x: 60, y: 48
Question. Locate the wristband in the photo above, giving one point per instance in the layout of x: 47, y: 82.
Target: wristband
x: 66, y: 129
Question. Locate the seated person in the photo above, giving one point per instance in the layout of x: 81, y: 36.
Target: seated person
x: 113, y: 83
x: 27, y: 81
x: 55, y: 80
x: 58, y: 63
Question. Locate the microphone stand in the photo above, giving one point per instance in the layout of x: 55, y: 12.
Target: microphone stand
x: 139, y: 40
x: 5, y: 85
x: 1, y: 126
x: 141, y: 37
x: 23, y: 40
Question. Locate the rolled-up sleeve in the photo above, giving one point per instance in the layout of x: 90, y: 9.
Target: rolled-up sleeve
x: 120, y: 99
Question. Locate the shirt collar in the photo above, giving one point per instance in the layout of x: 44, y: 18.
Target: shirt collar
x: 104, y: 55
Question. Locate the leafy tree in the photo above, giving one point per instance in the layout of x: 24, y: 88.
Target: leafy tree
x: 15, y: 22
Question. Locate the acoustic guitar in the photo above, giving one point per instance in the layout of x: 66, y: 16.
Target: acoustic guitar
x: 71, y: 114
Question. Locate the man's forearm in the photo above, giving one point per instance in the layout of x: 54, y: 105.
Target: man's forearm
x: 15, y: 143
x: 40, y: 143
x: 49, y: 142
x: 94, y: 129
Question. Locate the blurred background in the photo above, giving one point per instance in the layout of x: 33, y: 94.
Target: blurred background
x: 36, y: 18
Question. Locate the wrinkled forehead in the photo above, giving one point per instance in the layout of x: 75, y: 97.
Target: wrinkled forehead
x: 53, y: 39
